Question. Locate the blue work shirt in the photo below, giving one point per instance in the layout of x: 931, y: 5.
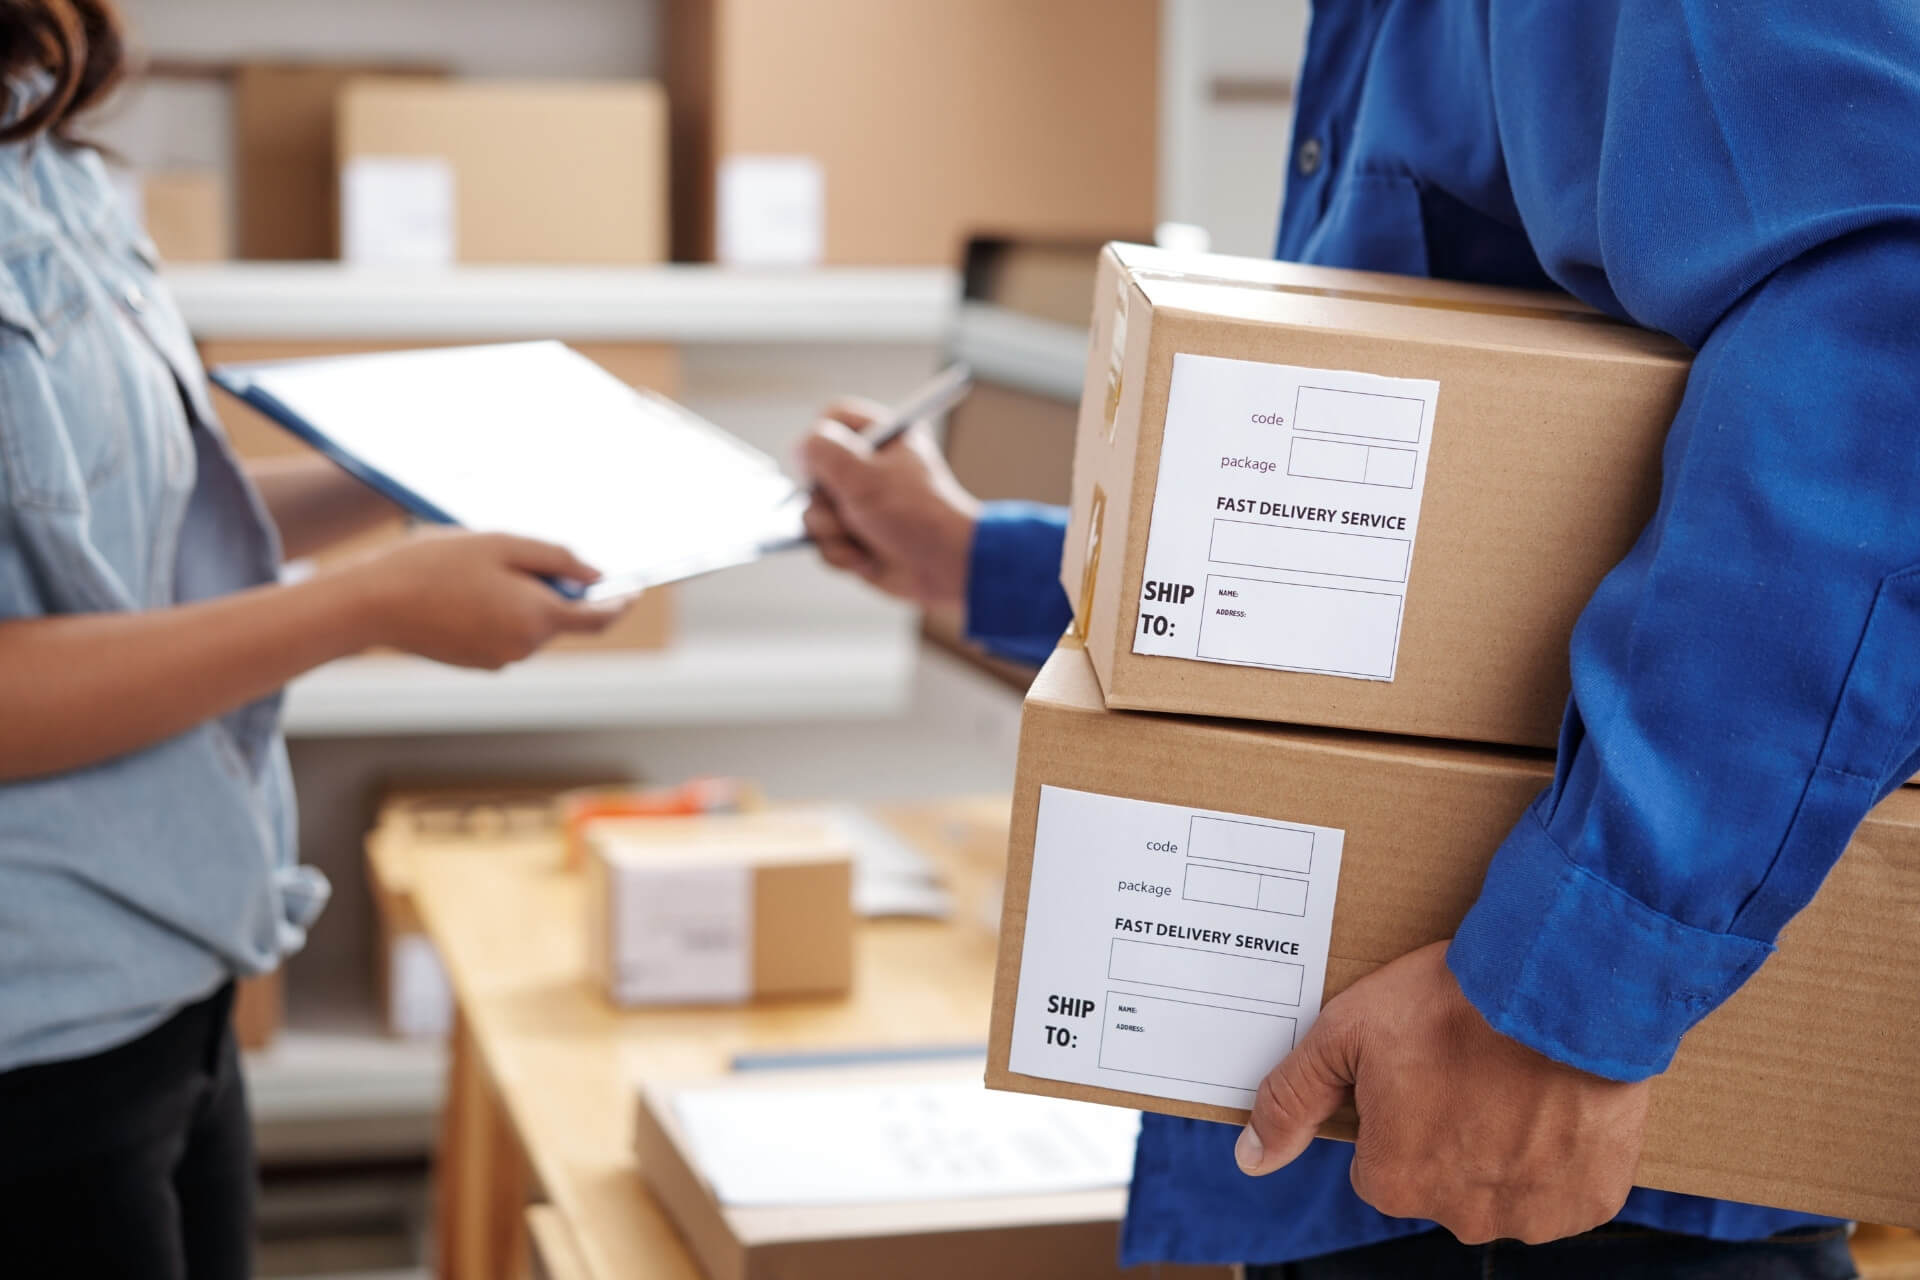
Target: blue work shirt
x: 1746, y: 683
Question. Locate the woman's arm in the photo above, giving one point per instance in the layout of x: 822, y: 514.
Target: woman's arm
x: 314, y: 503
x: 82, y: 688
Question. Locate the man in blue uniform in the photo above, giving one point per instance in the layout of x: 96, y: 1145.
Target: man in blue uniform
x: 1745, y: 682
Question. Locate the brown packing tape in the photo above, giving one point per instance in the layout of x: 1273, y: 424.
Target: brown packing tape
x: 1090, y: 574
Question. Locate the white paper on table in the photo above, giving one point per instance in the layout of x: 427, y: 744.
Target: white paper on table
x: 398, y: 211
x: 874, y: 1143
x: 772, y: 211
x: 535, y: 439
x: 891, y: 878
x: 1170, y: 951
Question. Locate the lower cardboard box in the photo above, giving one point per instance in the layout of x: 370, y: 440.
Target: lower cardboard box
x: 1180, y: 891
x: 1025, y: 1237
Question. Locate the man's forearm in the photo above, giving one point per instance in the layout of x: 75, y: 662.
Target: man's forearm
x: 314, y: 503
x: 83, y: 688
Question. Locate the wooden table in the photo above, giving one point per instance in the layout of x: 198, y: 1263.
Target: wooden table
x: 540, y: 1103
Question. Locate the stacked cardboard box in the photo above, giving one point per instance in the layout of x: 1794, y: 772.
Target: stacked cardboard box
x: 285, y: 155
x: 1335, y: 502
x: 886, y: 131
x: 502, y: 171
x: 399, y: 164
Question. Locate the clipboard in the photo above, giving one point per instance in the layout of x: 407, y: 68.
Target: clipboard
x: 533, y: 438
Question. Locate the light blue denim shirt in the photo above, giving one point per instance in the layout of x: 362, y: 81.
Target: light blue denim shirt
x: 134, y: 886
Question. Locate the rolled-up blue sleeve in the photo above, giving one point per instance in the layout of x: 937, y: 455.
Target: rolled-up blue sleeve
x: 1015, y: 606
x: 1746, y: 684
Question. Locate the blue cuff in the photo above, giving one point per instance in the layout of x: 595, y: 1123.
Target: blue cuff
x: 1015, y: 606
x: 1573, y: 967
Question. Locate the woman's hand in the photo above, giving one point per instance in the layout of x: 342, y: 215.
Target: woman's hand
x: 896, y: 516
x: 474, y: 599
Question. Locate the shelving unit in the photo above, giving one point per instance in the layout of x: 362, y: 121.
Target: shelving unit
x: 725, y: 678
x: 1019, y: 351
x: 680, y: 304
x: 346, y: 1091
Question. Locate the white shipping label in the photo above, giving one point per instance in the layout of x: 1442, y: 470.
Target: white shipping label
x: 682, y: 935
x: 772, y: 211
x: 398, y: 211
x: 1170, y: 951
x: 419, y: 997
x: 1285, y: 517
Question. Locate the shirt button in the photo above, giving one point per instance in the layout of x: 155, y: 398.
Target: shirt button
x: 136, y: 299
x: 1307, y: 158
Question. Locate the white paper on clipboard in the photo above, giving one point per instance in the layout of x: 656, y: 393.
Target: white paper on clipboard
x: 535, y: 439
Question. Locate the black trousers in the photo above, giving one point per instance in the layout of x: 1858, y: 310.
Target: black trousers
x: 137, y: 1162
x: 1613, y: 1251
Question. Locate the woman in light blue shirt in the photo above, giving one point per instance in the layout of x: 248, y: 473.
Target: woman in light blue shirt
x: 146, y: 823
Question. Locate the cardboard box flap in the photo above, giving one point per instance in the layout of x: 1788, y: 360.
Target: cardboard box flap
x: 1151, y: 263
x: 1433, y: 310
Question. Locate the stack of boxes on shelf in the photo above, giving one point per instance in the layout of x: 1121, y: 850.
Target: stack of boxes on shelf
x: 1313, y: 509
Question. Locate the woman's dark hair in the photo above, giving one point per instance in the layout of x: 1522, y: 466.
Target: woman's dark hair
x: 76, y: 48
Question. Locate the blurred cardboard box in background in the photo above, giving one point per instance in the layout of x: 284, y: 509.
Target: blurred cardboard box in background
x: 502, y: 171
x: 186, y: 213
x: 285, y: 157
x: 885, y: 131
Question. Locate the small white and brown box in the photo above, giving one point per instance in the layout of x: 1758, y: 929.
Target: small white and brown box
x: 720, y: 909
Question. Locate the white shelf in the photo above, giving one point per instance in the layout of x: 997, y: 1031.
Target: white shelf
x: 683, y: 304
x: 316, y: 1076
x: 700, y: 679
x: 1040, y: 356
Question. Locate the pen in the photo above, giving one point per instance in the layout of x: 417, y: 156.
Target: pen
x: 948, y: 388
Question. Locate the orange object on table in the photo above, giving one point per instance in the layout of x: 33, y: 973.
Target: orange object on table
x: 691, y: 798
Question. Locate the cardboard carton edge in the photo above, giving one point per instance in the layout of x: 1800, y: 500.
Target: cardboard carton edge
x: 689, y: 1203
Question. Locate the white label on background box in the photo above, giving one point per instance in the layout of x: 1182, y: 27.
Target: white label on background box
x: 772, y: 211
x: 398, y: 211
x: 1170, y: 951
x: 419, y: 996
x: 1285, y: 516
x: 682, y: 935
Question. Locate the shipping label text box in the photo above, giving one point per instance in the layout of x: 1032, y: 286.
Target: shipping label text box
x: 1191, y: 1041
x: 1200, y: 972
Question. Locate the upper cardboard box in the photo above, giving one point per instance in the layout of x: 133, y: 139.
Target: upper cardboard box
x: 1182, y: 891
x: 1347, y: 499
